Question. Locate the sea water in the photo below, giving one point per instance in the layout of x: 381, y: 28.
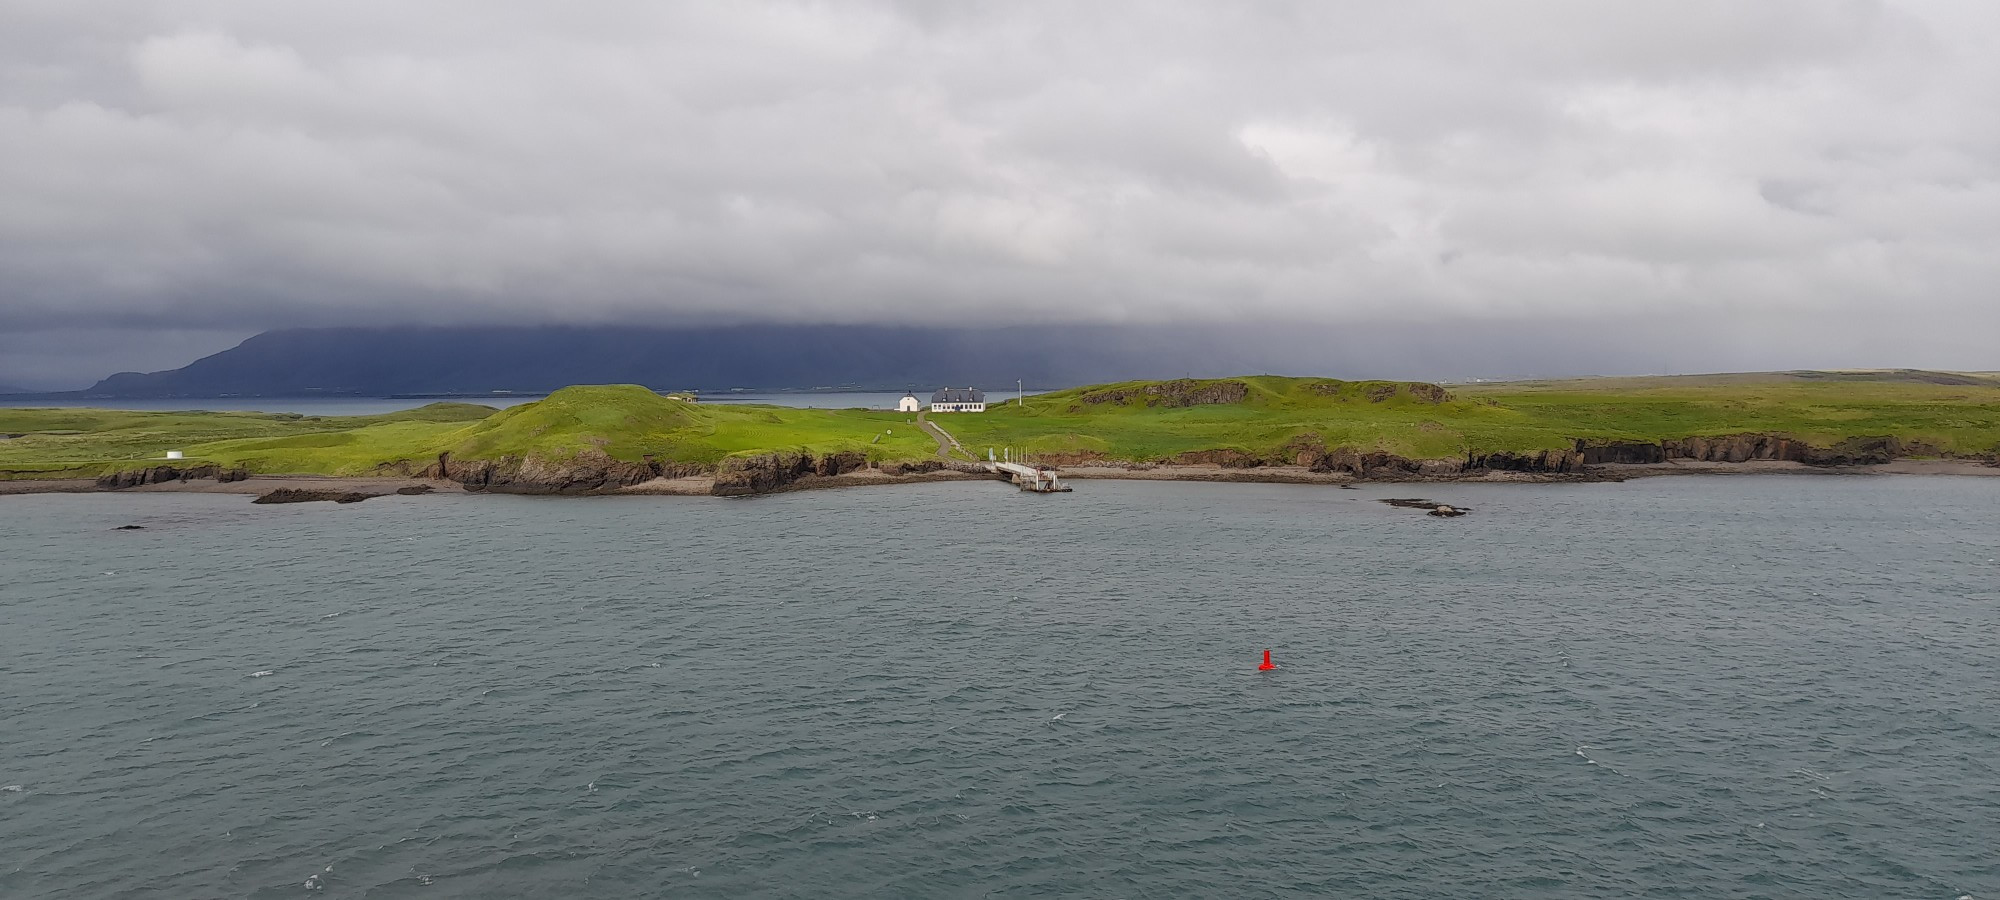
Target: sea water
x: 1687, y: 687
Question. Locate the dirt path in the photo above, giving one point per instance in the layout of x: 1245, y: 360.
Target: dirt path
x: 946, y: 443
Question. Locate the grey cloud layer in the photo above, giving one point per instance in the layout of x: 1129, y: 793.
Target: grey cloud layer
x: 232, y: 166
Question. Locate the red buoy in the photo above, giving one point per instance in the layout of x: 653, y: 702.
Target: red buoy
x: 1267, y: 666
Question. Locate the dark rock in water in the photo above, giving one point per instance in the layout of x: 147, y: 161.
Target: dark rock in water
x: 1430, y: 507
x: 302, y: 495
x: 130, y: 528
x: 415, y: 489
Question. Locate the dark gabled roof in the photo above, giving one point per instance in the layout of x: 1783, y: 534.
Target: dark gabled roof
x: 958, y: 395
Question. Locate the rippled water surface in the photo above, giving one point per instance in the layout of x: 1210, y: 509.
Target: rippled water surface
x: 1694, y: 687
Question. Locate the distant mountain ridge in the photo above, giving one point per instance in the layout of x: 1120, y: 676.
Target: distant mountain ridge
x: 472, y: 360
x: 477, y: 360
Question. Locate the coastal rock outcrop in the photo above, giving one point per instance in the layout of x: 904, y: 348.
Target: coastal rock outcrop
x: 584, y: 474
x: 914, y: 467
x: 766, y: 472
x: 1621, y: 453
x: 1747, y: 447
x: 761, y: 473
x: 129, y: 478
x: 1552, y: 462
x: 1389, y: 466
x: 1360, y: 464
x: 1308, y: 450
x: 1868, y: 451
x: 596, y: 473
x: 841, y: 463
x: 1739, y: 448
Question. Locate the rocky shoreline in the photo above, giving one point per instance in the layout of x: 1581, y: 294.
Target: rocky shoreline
x: 794, y: 471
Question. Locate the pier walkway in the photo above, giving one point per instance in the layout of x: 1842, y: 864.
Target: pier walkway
x: 1030, y: 478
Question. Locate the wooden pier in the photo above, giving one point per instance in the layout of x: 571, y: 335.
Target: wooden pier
x: 1036, y: 479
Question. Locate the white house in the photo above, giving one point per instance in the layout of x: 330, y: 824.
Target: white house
x: 958, y: 400
x: 175, y: 454
x: 909, y: 403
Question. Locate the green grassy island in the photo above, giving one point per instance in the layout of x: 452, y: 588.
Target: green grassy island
x: 596, y: 438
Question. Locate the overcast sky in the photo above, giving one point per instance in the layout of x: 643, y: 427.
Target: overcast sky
x: 1814, y: 180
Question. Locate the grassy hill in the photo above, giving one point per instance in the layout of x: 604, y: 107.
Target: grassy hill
x: 1956, y: 412
x: 1256, y: 415
x: 623, y: 422
x: 1263, y: 415
x: 86, y: 442
x: 1260, y: 417
x: 628, y: 422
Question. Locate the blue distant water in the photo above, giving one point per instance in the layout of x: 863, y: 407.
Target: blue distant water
x: 1674, y: 687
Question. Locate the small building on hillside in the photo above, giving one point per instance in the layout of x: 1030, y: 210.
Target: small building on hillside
x: 909, y: 403
x: 958, y: 400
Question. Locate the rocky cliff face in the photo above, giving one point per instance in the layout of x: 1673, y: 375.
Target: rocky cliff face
x: 596, y: 473
x: 163, y: 474
x: 1307, y: 451
x: 1552, y: 462
x: 1738, y: 448
x: 1621, y: 453
x: 767, y: 472
x: 1861, y: 451
x: 587, y: 474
